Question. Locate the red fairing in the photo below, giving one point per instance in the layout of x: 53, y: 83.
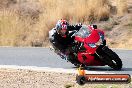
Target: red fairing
x: 79, y: 39
x: 90, y: 61
x: 93, y: 38
x: 99, y: 30
x: 87, y: 57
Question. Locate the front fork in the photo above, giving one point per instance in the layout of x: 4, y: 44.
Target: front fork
x: 99, y: 50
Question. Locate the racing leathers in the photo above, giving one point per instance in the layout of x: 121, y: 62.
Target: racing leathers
x: 62, y: 43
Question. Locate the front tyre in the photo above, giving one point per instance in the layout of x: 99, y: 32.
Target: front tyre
x: 112, y: 59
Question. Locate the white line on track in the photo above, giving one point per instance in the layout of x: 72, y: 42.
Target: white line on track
x: 48, y: 69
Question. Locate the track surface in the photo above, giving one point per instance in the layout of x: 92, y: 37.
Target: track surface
x: 43, y: 57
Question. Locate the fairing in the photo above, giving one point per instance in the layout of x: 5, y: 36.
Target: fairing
x: 88, y: 35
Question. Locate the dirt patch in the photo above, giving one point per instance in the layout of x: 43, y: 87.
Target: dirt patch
x: 11, y: 78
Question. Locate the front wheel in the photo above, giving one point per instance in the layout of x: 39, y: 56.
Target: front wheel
x: 115, y: 63
x: 111, y: 59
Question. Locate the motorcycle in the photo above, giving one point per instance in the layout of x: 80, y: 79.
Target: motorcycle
x: 90, y: 49
x: 94, y: 51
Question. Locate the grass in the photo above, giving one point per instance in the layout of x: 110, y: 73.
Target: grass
x: 29, y: 24
x: 121, y: 7
x: 129, y: 24
x: 8, y: 30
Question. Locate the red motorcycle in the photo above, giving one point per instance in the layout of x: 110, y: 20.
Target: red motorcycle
x: 92, y: 50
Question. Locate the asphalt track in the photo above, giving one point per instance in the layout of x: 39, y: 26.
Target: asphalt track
x: 45, y: 58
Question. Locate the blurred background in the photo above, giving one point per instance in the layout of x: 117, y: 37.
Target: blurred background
x: 25, y: 23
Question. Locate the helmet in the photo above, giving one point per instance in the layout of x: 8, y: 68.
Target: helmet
x: 61, y: 27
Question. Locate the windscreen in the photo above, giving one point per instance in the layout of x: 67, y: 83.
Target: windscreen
x: 83, y: 32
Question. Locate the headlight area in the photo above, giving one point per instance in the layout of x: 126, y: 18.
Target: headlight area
x: 93, y: 45
x: 100, y: 42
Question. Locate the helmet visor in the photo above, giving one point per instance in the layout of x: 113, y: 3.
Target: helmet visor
x: 62, y: 32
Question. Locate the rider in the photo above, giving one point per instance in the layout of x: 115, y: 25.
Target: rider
x: 61, y: 36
